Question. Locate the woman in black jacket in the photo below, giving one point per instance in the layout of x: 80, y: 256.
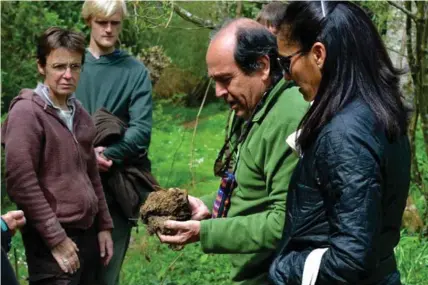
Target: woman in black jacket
x: 348, y: 192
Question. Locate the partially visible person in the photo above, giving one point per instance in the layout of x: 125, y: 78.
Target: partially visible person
x: 348, y: 192
x: 247, y: 222
x: 10, y: 223
x: 271, y: 16
x: 51, y: 169
x: 116, y: 85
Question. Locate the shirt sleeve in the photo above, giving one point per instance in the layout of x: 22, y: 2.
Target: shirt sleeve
x: 104, y: 221
x: 23, y: 138
x: 6, y: 237
x: 350, y: 166
x: 136, y: 139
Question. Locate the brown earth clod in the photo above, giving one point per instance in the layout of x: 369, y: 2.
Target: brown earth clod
x: 163, y: 205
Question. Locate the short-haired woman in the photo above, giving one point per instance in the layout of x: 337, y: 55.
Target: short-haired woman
x: 51, y: 170
x: 348, y: 192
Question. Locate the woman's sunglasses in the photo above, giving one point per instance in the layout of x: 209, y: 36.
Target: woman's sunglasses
x: 285, y: 62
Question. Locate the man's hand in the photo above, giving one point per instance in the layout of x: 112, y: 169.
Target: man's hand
x: 185, y: 232
x: 65, y: 254
x: 198, y: 208
x: 106, y: 246
x: 14, y: 220
x: 104, y: 163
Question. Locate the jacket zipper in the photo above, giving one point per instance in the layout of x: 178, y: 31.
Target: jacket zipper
x: 80, y: 163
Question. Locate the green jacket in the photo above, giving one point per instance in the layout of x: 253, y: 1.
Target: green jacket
x: 121, y: 84
x: 255, y: 221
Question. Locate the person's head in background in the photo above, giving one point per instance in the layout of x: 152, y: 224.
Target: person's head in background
x: 271, y: 16
x: 60, y: 56
x: 242, y: 61
x: 104, y: 18
x: 334, y: 53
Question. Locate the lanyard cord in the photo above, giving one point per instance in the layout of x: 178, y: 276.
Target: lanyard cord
x: 220, y: 167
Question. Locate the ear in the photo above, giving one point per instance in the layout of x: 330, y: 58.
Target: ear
x: 264, y: 67
x: 88, y: 22
x: 40, y: 68
x: 319, y: 54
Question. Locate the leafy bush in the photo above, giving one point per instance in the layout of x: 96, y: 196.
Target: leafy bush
x: 155, y: 59
x: 174, y: 81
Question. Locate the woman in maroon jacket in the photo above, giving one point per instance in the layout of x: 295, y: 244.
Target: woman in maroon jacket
x: 51, y: 170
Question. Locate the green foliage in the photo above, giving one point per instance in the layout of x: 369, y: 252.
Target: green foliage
x: 249, y: 9
x: 170, y: 150
x: 155, y: 60
x: 174, y: 81
x: 22, y: 23
x: 412, y: 259
x: 379, y: 13
x: 149, y: 262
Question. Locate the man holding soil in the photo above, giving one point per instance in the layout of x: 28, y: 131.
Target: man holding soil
x: 242, y: 60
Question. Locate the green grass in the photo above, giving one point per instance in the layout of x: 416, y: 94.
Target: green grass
x: 150, y: 262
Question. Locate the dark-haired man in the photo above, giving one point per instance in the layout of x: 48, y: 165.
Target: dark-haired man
x: 242, y: 60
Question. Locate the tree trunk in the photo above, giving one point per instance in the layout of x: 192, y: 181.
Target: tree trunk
x: 415, y: 47
x: 239, y: 7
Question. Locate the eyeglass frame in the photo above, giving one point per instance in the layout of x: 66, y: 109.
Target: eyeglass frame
x: 74, y: 68
x: 280, y: 59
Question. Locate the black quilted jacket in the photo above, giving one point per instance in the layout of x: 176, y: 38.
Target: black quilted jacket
x: 348, y: 194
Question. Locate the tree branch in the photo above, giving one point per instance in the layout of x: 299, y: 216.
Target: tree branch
x: 186, y: 15
x: 396, y: 51
x: 404, y: 10
x: 170, y: 16
x: 410, y: 54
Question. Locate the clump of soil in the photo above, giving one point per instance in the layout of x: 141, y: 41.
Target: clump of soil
x: 162, y: 205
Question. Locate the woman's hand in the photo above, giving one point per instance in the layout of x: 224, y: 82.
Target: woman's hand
x: 106, y: 246
x: 65, y: 254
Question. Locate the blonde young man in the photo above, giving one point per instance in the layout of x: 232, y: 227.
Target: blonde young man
x: 113, y: 80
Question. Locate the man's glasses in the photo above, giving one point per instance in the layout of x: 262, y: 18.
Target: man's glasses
x: 285, y: 62
x: 62, y: 68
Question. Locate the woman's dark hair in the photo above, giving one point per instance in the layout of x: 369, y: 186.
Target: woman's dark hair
x: 253, y: 43
x: 357, y: 65
x: 54, y: 38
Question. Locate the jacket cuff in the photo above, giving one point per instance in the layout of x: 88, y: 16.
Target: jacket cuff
x: 104, y: 222
x: 107, y: 226
x: 111, y: 153
x: 51, y: 232
x: 205, y: 236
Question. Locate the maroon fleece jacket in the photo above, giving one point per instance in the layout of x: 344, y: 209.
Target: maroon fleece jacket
x: 51, y: 173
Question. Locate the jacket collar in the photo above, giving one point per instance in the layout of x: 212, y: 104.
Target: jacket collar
x: 43, y: 91
x: 30, y: 94
x: 272, y: 96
